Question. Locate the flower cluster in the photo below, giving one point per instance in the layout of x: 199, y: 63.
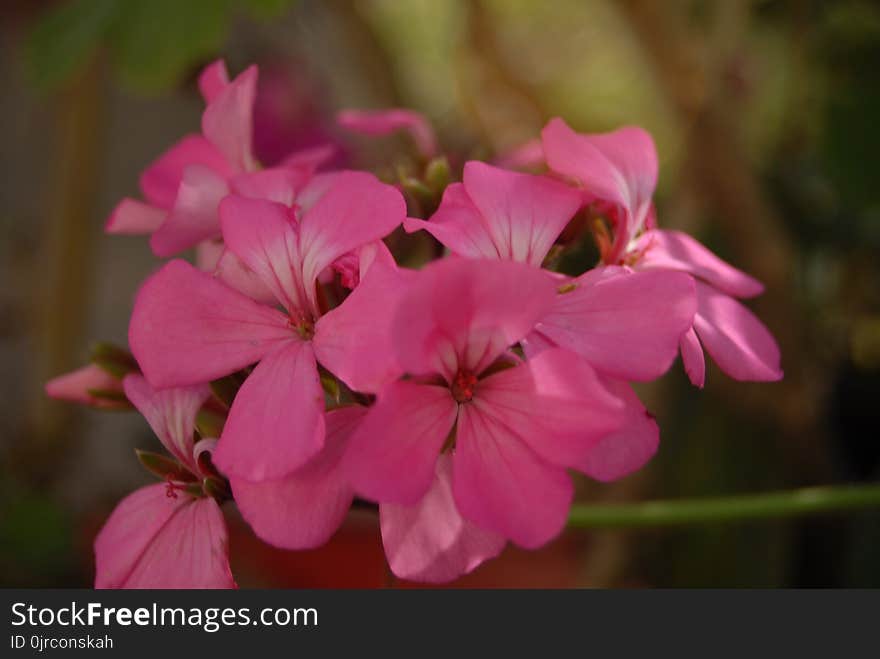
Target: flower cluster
x: 297, y: 367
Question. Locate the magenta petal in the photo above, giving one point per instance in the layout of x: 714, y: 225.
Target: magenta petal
x: 735, y: 338
x: 391, y: 455
x: 464, y: 313
x: 502, y: 486
x: 153, y: 541
x: 261, y: 233
x: 311, y: 158
x: 276, y: 422
x: 161, y: 179
x: 279, y: 184
x: 236, y: 274
x: 134, y: 218
x: 458, y: 225
x: 213, y: 79
x: 430, y: 541
x: 302, y: 510
x: 385, y: 122
x: 354, y: 210
x: 628, y: 449
x: 523, y: 214
x: 228, y: 120
x: 189, y: 328
x: 693, y: 358
x: 194, y: 216
x: 353, y: 340
x: 627, y: 326
x: 554, y: 403
x: 675, y: 250
x: 171, y: 414
x: 77, y: 386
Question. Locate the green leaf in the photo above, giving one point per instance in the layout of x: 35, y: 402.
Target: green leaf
x: 157, y: 41
x: 64, y: 39
x: 266, y: 8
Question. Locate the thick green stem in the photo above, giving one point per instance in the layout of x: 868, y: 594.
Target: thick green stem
x: 745, y: 507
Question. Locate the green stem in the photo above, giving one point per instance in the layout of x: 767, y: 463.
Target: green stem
x: 792, y: 503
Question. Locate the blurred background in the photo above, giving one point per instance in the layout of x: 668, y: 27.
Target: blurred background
x: 764, y: 114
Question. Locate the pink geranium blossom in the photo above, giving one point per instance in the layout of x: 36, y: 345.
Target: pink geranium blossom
x: 626, y: 325
x: 618, y: 172
x: 188, y: 327
x: 386, y: 122
x: 90, y: 385
x: 167, y: 535
x: 511, y: 427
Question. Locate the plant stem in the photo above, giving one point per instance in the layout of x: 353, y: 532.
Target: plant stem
x: 745, y: 507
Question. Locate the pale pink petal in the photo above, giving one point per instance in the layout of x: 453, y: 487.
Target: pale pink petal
x: 304, y: 509
x: 194, y: 216
x: 79, y: 386
x: 628, y: 449
x: 626, y: 326
x: 501, y: 485
x: 155, y: 541
x: 355, y: 209
x: 618, y: 168
x: 385, y: 122
x: 430, y: 541
x: 188, y: 328
x: 675, y: 250
x: 160, y: 181
x: 276, y: 422
x: 278, y: 184
x: 213, y: 79
x: 391, y: 455
x: 464, y: 313
x: 524, y: 214
x: 263, y: 235
x: 208, y: 254
x: 228, y: 120
x: 693, y: 358
x: 529, y: 155
x: 236, y: 274
x: 134, y: 218
x: 554, y: 403
x: 171, y: 414
x: 735, y: 338
x: 353, y: 340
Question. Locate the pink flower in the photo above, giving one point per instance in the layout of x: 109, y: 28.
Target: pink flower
x: 90, y: 385
x: 511, y: 427
x: 385, y: 122
x: 626, y: 325
x: 163, y: 535
x: 187, y: 327
x: 618, y: 172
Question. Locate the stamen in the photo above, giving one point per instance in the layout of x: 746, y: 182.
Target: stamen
x: 463, y: 386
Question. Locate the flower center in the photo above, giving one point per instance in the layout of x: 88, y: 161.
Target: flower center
x: 304, y: 327
x: 463, y: 386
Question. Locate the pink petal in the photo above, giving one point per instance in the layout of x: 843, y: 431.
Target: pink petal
x: 353, y: 340
x: 355, y: 209
x: 430, y: 541
x: 529, y: 155
x: 554, y: 403
x: 213, y: 79
x: 618, y: 168
x: 692, y: 357
x: 160, y: 181
x: 134, y: 218
x: 228, y: 120
x: 302, y: 510
x: 391, y: 455
x: 621, y: 453
x: 524, y: 214
x: 208, y: 254
x: 735, y: 338
x: 279, y: 184
x: 189, y: 328
x: 230, y: 270
x: 194, y: 216
x: 276, y: 422
x: 464, y: 313
x: 76, y: 386
x: 675, y: 250
x: 261, y: 233
x: 385, y: 122
x: 153, y: 541
x: 171, y: 414
x: 312, y: 157
x: 626, y: 326
x: 502, y: 486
